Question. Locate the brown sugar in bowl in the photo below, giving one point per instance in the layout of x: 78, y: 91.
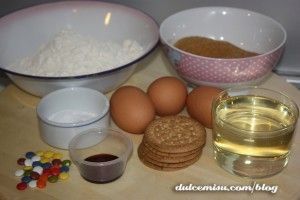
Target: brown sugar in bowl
x: 236, y: 26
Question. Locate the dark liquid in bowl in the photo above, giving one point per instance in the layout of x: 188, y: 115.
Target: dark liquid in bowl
x: 102, y: 173
x: 101, y: 158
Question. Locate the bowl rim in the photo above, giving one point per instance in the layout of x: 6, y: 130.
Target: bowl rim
x: 91, y: 120
x: 281, y: 45
x: 122, y: 158
x: 89, y: 2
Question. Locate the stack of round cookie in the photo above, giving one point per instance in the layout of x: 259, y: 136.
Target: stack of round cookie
x: 172, y: 143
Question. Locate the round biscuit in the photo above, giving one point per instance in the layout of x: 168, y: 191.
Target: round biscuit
x: 175, y: 134
x: 161, y: 165
x: 169, y: 158
x: 158, y: 152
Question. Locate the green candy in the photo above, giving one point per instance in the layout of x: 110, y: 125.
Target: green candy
x: 27, y: 173
x: 53, y: 179
x: 66, y: 163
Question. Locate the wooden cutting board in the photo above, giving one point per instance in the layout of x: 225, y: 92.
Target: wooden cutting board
x: 19, y: 134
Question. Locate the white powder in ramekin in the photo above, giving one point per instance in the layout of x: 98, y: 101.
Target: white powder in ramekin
x: 71, y: 54
x: 71, y: 116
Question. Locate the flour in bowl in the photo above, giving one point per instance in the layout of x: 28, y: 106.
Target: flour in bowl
x: 71, y: 54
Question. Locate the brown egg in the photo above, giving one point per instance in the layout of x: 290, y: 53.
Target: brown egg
x: 168, y: 95
x: 199, y: 104
x: 131, y: 109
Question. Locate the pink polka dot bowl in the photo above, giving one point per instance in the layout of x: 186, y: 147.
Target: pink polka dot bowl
x: 248, y: 30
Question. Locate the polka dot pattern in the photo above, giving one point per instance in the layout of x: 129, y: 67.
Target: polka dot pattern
x: 223, y: 70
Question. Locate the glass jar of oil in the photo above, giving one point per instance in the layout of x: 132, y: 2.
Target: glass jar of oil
x: 253, y: 130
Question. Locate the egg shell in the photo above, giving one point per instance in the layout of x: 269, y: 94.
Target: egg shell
x: 131, y: 109
x: 199, y: 104
x: 168, y: 95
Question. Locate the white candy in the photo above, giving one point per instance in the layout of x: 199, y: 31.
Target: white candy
x: 35, y: 158
x: 32, y: 183
x: 19, y: 172
x: 28, y: 162
x: 38, y: 169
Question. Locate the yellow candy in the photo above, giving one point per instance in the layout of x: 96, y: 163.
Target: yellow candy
x: 63, y: 176
x: 26, y: 168
x: 48, y: 154
x: 39, y: 153
x: 45, y: 160
x: 57, y: 156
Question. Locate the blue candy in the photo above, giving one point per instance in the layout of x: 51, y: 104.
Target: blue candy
x: 64, y: 169
x: 46, y: 165
x: 26, y: 179
x: 29, y: 154
x: 36, y: 163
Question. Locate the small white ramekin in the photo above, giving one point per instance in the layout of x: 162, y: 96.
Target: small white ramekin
x: 58, y: 133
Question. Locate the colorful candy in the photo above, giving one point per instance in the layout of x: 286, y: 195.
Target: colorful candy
x: 40, y: 167
x: 40, y: 153
x: 27, y: 173
x: 56, y: 162
x: 48, y: 154
x: 19, y: 172
x: 32, y: 183
x: 28, y: 162
x: 66, y: 163
x: 57, y: 156
x: 44, y: 177
x: 47, y: 172
x: 53, y: 179
x: 46, y: 165
x: 27, y: 168
x: 29, y: 155
x: 36, y: 163
x: 64, y: 169
x: 21, y: 161
x: 40, y: 183
x: 45, y: 160
x: 63, y: 176
x: 21, y: 186
x: 36, y: 158
x: 55, y: 171
x: 34, y: 175
x: 26, y: 179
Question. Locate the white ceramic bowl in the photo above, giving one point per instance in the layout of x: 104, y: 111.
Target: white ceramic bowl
x: 23, y: 32
x: 64, y: 113
x: 246, y: 29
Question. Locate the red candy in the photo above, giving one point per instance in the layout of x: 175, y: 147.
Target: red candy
x: 21, y: 161
x: 55, y: 171
x: 56, y: 162
x: 47, y: 172
x: 21, y: 186
x: 43, y: 177
x: 41, y: 183
x: 34, y: 175
x: 55, y: 166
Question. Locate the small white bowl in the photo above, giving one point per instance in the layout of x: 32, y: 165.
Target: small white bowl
x: 64, y: 113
